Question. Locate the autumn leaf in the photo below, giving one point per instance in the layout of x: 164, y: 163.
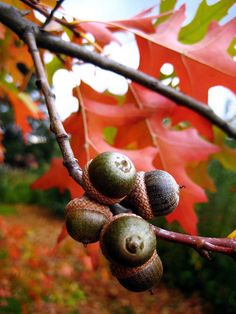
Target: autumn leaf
x: 198, y: 66
x: 93, y: 251
x: 24, y: 107
x: 50, y: 3
x: 197, y: 28
x: 57, y: 176
x: 62, y: 235
x: 232, y: 235
x: 165, y: 6
x: 130, y: 115
x: 198, y: 172
x: 2, y: 31
x: 100, y: 31
x: 227, y: 155
x: 177, y: 150
x: 105, y: 107
x: 87, y: 138
x: 14, y: 55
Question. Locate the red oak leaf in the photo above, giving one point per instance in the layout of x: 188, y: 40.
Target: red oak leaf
x: 177, y: 150
x: 57, y: 176
x: 199, y: 66
x: 24, y: 107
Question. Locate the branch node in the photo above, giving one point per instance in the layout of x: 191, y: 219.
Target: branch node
x: 205, y: 254
x: 25, y: 31
x: 62, y: 137
x: 51, y: 94
x: 38, y: 84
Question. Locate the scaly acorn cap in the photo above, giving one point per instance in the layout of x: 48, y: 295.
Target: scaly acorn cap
x: 85, y: 219
x: 109, y: 177
x: 155, y: 193
x: 141, y: 278
x: 128, y: 240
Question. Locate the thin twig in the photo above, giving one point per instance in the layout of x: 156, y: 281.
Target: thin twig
x: 12, y: 18
x: 49, y: 18
x: 56, y: 125
x: 71, y: 27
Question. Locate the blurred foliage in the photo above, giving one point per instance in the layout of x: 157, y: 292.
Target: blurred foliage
x: 186, y: 269
x: 29, y: 152
x: 15, y: 189
x: 33, y: 278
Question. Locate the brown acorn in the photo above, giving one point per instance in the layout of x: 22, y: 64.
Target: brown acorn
x: 128, y: 240
x: 109, y: 177
x: 85, y: 219
x: 141, y: 278
x: 155, y: 193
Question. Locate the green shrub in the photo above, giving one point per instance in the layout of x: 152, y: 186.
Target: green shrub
x: 15, y: 189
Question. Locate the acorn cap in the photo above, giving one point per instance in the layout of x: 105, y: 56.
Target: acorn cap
x: 141, y: 278
x: 128, y: 240
x: 139, y: 198
x: 85, y: 202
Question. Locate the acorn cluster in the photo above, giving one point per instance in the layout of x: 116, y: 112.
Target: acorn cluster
x: 127, y: 240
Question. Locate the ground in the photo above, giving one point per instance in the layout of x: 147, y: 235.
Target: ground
x: 44, y: 278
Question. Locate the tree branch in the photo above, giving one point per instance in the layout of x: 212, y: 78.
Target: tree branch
x: 56, y: 125
x: 32, y: 35
x: 220, y: 245
x: 12, y: 18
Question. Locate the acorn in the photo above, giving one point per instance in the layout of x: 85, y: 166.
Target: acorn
x: 109, y: 177
x: 141, y: 278
x: 128, y: 240
x: 85, y: 219
x: 155, y: 193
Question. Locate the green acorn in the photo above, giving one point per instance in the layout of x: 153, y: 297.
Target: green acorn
x: 128, y: 240
x: 109, y: 177
x: 85, y: 219
x: 141, y: 278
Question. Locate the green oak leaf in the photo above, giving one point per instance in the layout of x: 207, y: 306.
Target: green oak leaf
x: 197, y: 28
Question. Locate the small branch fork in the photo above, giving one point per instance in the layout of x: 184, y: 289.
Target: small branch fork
x: 28, y: 32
